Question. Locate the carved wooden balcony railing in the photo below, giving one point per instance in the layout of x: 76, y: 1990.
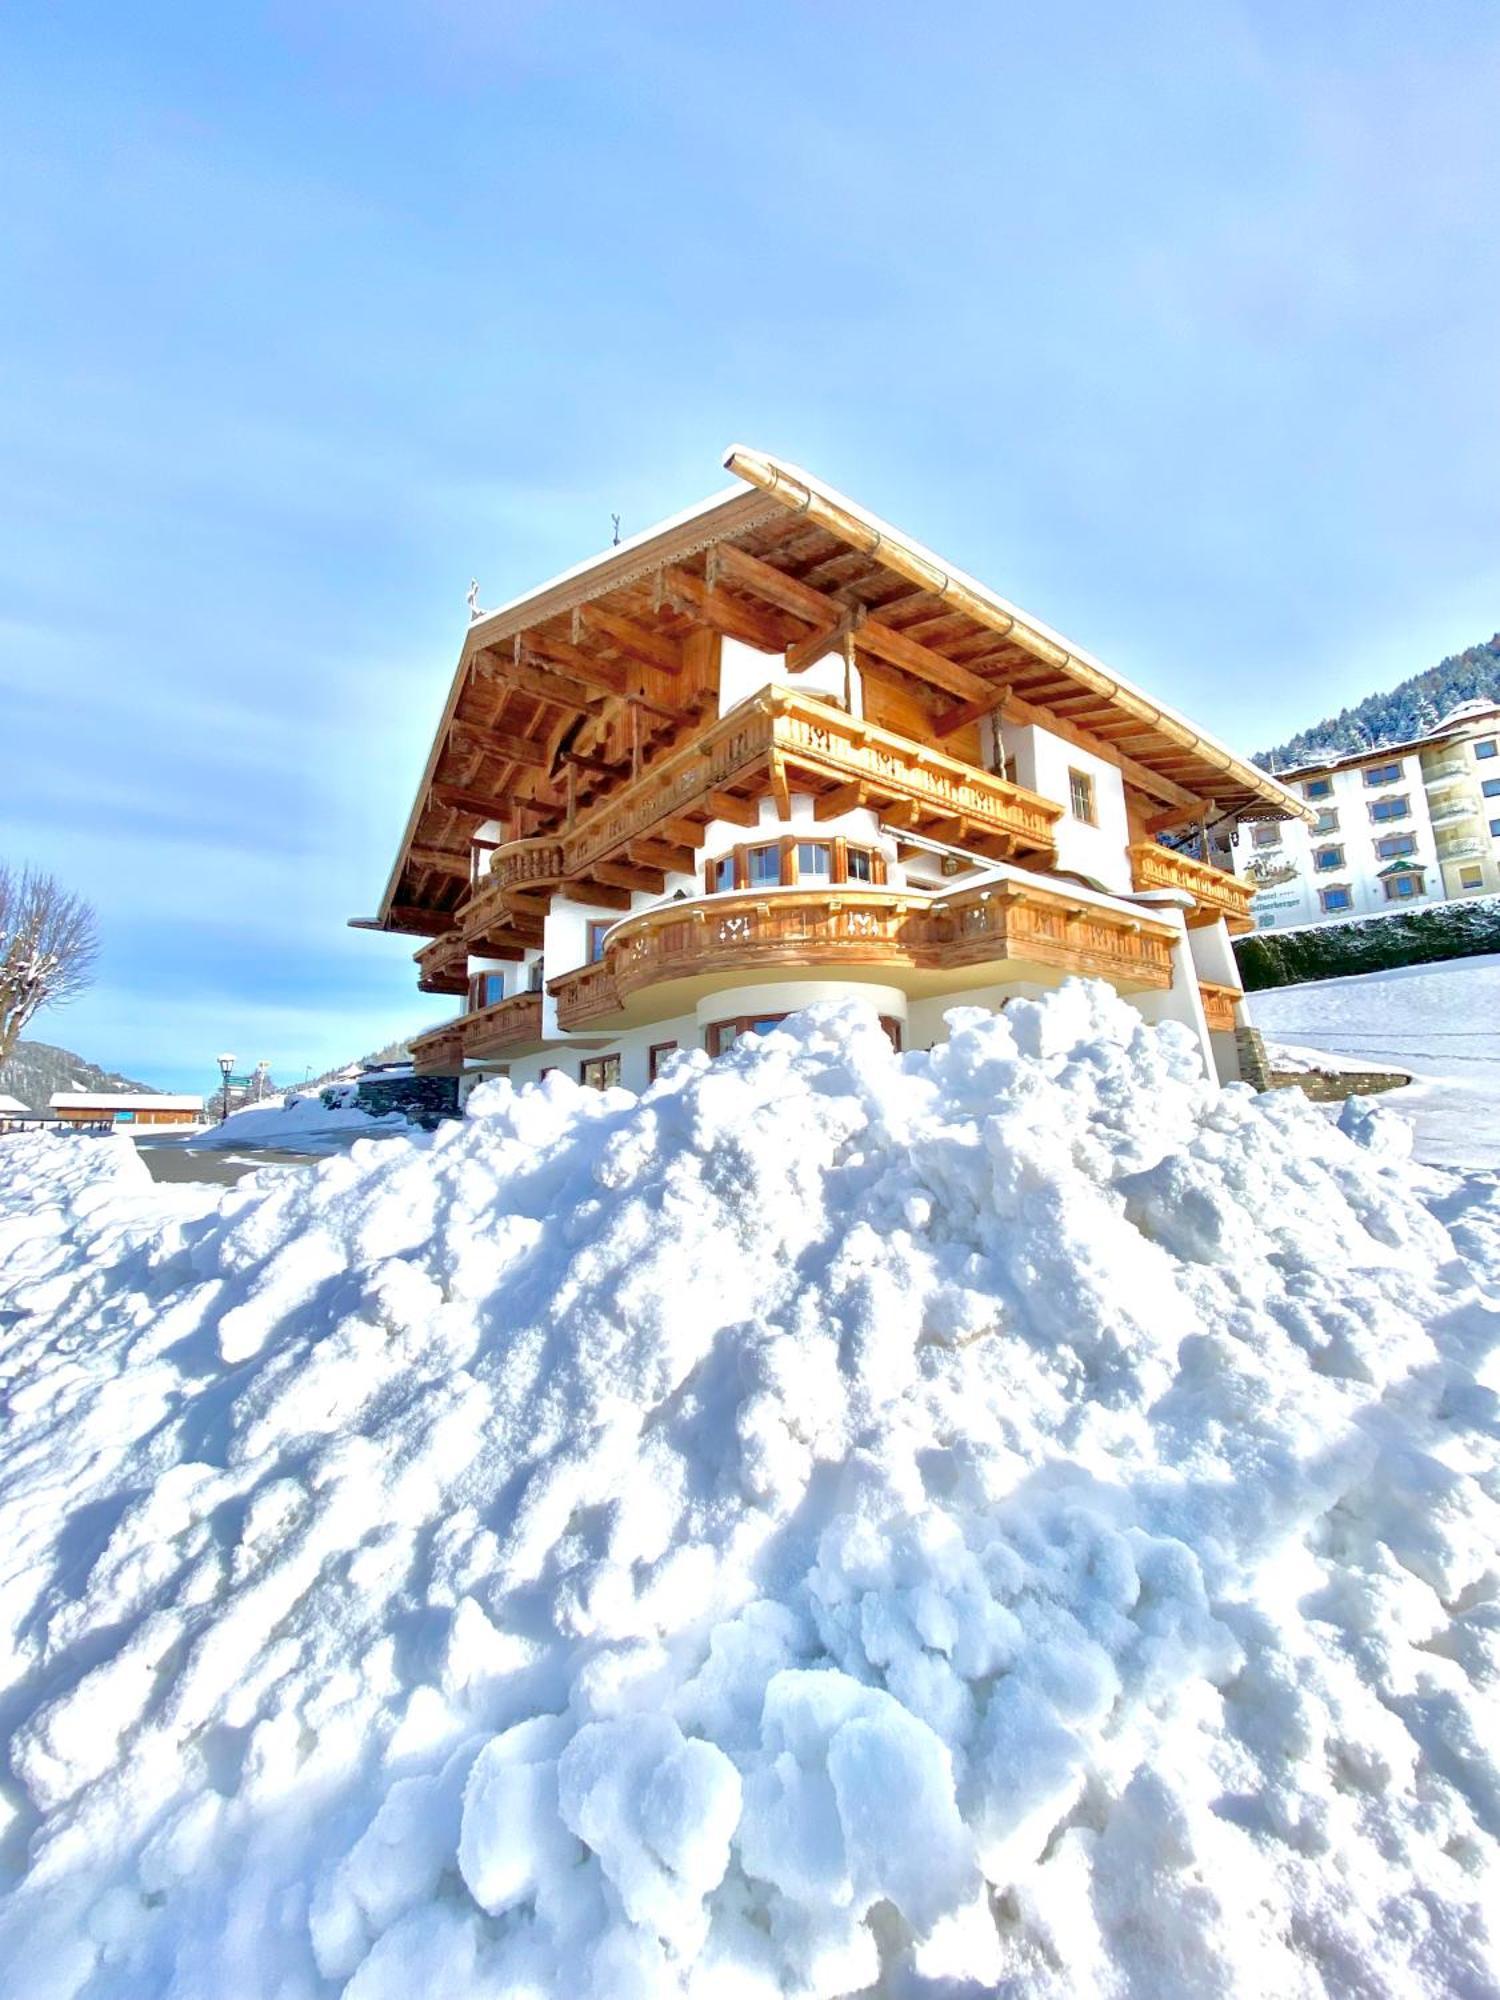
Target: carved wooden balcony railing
x: 872, y: 930
x: 782, y: 741
x: 443, y: 965
x: 505, y: 1028
x: 1218, y: 893
x: 1218, y: 1006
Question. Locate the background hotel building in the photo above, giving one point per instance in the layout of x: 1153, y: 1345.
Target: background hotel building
x: 773, y: 752
x: 1412, y: 824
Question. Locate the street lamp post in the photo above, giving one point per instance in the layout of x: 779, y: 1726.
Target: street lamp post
x: 226, y: 1068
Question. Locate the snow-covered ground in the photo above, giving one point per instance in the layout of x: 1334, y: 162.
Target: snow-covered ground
x: 1010, y: 1520
x: 296, y: 1125
x: 1439, y: 1022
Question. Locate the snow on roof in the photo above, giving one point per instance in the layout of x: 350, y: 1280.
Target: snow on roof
x: 12, y: 1103
x: 122, y: 1100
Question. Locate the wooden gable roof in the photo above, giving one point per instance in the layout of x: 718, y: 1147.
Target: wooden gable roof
x: 559, y: 695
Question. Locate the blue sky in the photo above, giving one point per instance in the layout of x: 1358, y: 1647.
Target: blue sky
x: 1179, y: 324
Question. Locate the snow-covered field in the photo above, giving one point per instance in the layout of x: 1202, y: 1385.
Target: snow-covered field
x: 1441, y: 1023
x: 1013, y: 1520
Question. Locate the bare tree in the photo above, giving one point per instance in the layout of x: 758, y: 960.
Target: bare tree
x: 48, y: 943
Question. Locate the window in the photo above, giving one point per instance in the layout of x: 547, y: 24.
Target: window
x: 762, y: 866
x: 656, y: 1056
x: 859, y: 865
x: 1392, y: 846
x: 721, y: 875
x: 1471, y: 876
x: 1390, y: 808
x: 1266, y: 833
x: 1081, y: 796
x: 722, y: 1035
x: 1382, y: 774
x: 599, y: 929
x: 1326, y: 859
x: 599, y: 1072
x: 1318, y: 788
x: 1336, y: 898
x: 1327, y: 820
x: 1490, y: 747
x: 1491, y: 788
x: 1495, y: 828
x: 814, y: 861
x: 534, y: 975
x: 488, y: 988
x: 1401, y: 888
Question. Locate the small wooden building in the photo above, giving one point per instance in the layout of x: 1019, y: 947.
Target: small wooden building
x: 126, y: 1108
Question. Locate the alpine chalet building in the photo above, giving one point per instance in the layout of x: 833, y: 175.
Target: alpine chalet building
x: 773, y: 752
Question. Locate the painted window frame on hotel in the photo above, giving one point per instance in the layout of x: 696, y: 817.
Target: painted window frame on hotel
x: 1326, y: 822
x: 1490, y: 788
x: 1382, y: 774
x: 1266, y: 833
x: 1486, y: 747
x: 1406, y: 887
x: 1396, y: 846
x: 1327, y: 859
x: 1383, y: 810
x: 1331, y: 908
x: 1317, y: 788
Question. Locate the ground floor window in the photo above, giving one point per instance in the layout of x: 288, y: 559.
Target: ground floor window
x: 656, y: 1056
x: 722, y: 1035
x: 599, y: 1072
x: 1401, y: 888
x: 1471, y: 877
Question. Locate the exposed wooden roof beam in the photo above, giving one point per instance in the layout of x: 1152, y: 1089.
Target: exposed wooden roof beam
x: 500, y: 743
x: 969, y: 711
x: 477, y: 804
x: 621, y: 875
x: 887, y: 644
x: 827, y: 639
x: 726, y: 614
x: 637, y: 642
x: 774, y: 585
x: 561, y: 690
x: 440, y: 862
x: 593, y: 672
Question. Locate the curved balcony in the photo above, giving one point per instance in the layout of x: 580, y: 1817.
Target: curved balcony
x: 1454, y: 810
x: 510, y: 1027
x: 664, y: 960
x: 780, y: 741
x: 1217, y: 893
x: 1444, y: 771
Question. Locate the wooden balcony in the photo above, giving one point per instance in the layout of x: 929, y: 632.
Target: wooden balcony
x: 510, y: 1027
x: 1219, y: 1005
x: 662, y: 961
x: 1217, y: 893
x: 781, y: 741
x: 443, y: 965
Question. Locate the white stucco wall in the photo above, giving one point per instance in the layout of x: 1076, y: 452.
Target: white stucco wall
x: 744, y: 671
x: 1041, y: 762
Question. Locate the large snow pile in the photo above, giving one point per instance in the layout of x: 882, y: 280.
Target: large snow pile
x: 1010, y: 1519
x: 298, y: 1124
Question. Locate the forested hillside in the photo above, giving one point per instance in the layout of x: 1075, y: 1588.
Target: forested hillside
x: 1409, y: 710
x: 33, y: 1070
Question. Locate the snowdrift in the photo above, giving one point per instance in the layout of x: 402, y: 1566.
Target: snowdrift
x: 1011, y: 1519
x: 298, y: 1124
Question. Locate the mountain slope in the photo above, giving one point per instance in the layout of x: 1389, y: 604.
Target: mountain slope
x: 33, y: 1070
x: 1407, y: 710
